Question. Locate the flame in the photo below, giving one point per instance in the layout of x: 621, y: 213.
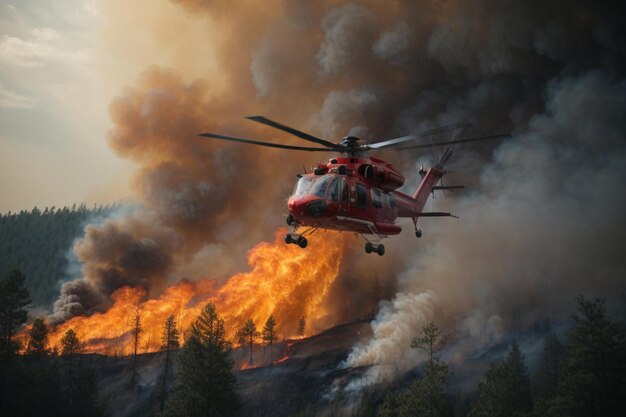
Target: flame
x: 285, y: 281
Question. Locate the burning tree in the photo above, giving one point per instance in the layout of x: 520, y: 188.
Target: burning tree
x: 248, y: 334
x: 205, y: 382
x: 169, y: 341
x: 269, y: 331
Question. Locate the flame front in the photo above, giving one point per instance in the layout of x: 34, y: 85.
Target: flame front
x: 285, y: 281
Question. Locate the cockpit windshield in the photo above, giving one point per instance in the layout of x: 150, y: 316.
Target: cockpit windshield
x: 319, y: 186
x: 303, y: 185
x: 312, y: 185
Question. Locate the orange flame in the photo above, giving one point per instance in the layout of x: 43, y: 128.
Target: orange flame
x: 285, y: 281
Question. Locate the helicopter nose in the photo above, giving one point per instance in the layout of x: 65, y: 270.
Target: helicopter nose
x: 306, y: 206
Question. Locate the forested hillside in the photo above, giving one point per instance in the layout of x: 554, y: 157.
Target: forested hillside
x: 37, y: 242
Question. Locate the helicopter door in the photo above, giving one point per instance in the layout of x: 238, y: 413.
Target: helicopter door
x: 344, y: 203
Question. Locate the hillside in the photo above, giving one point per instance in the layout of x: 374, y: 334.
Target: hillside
x: 38, y: 243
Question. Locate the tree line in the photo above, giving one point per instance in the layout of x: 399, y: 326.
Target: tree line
x: 37, y: 243
x: 582, y: 375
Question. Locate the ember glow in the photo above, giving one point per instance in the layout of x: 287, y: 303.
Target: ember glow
x: 284, y: 280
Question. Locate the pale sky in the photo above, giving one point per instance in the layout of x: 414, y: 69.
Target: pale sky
x: 61, y: 64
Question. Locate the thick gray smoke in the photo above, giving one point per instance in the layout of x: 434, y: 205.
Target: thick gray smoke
x: 542, y: 221
x: 544, y: 226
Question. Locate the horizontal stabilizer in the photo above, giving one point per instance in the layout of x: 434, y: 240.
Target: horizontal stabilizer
x: 448, y: 187
x: 437, y: 214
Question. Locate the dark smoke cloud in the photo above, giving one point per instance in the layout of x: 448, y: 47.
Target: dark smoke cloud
x: 543, y: 218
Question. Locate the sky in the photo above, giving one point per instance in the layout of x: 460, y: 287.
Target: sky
x: 62, y: 62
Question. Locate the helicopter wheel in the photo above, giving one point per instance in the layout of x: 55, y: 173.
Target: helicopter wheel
x: 302, y: 242
x: 289, y: 219
x: 288, y: 239
x: 380, y: 249
x: 369, y: 248
x: 418, y: 233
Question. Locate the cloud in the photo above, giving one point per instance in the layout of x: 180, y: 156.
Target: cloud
x: 43, y: 47
x: 12, y: 100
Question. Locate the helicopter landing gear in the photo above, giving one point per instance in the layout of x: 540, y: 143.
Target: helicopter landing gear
x: 379, y: 249
x: 290, y: 219
x: 375, y: 245
x: 418, y: 232
x: 298, y: 238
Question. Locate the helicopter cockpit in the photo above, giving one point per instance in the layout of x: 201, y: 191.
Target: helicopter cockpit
x: 313, y: 185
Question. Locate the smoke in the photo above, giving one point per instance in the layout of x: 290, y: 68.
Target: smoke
x: 543, y: 215
x: 544, y: 227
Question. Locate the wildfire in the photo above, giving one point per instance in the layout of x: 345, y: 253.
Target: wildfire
x: 285, y: 281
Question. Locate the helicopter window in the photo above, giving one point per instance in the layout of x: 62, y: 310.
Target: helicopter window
x: 377, y: 198
x: 333, y: 190
x: 319, y: 186
x: 392, y: 200
x: 361, y: 196
x: 303, y: 185
x: 345, y: 192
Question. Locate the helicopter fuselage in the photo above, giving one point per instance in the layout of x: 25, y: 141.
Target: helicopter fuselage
x: 358, y: 195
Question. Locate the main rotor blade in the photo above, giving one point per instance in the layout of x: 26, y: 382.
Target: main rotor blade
x: 268, y: 144
x: 301, y: 135
x: 452, y: 142
x: 396, y: 141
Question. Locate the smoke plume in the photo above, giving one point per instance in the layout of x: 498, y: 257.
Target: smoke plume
x: 541, y: 222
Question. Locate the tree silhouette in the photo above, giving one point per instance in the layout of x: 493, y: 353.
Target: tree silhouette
x: 593, y: 381
x: 169, y: 341
x: 70, y: 345
x: 206, y: 385
x: 546, y: 379
x: 13, y: 298
x: 38, y: 339
x: 269, y: 331
x: 505, y: 389
x: 426, y: 395
x: 301, y: 326
x: 136, y: 331
x: 248, y: 334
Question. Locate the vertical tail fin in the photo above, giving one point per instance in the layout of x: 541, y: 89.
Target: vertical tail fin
x: 429, y: 180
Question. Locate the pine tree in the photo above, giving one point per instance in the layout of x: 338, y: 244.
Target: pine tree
x: 547, y: 377
x: 248, y: 334
x: 505, y: 389
x: 70, y: 345
x: 593, y: 381
x: 206, y: 385
x: 301, y: 326
x: 269, y: 331
x: 38, y: 340
x: 135, y: 331
x: 13, y: 298
x: 169, y: 341
x: 426, y: 395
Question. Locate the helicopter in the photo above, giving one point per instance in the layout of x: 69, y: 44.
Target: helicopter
x: 358, y: 193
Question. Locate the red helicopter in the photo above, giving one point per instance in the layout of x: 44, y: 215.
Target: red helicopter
x: 358, y: 193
